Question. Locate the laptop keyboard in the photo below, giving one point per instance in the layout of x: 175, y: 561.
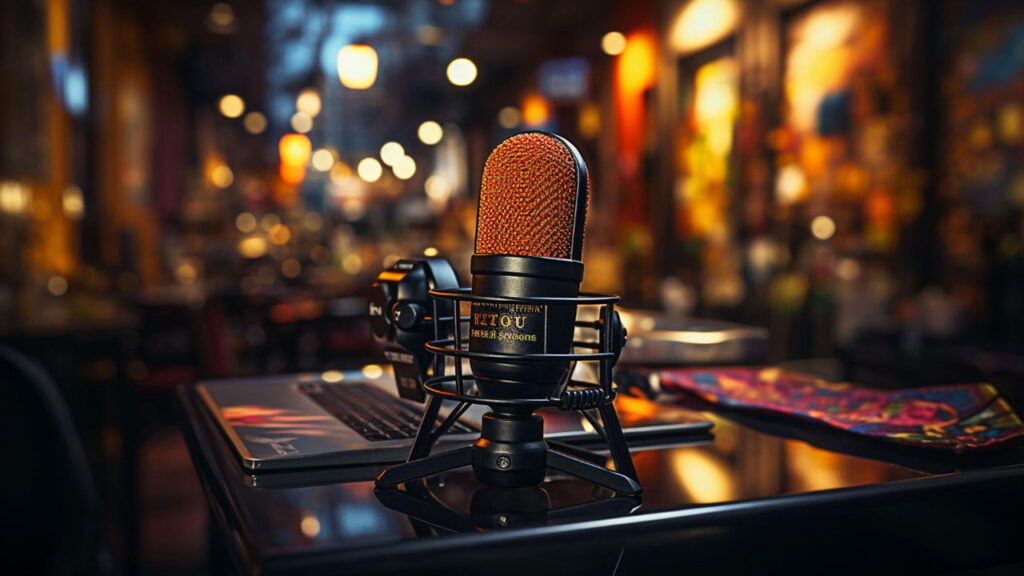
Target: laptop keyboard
x: 372, y: 412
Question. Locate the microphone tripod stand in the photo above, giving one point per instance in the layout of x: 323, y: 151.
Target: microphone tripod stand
x: 499, y: 508
x: 511, y: 451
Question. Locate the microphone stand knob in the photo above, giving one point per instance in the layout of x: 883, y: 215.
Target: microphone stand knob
x: 408, y: 315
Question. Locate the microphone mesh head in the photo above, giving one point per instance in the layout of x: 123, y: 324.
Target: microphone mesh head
x: 528, y: 199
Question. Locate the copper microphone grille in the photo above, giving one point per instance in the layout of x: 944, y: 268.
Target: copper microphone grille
x: 533, y: 198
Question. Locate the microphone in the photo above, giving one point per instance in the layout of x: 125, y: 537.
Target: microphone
x: 529, y: 243
x: 526, y: 280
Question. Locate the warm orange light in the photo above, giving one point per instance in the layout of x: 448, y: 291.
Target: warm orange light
x: 634, y: 72
x: 535, y: 109
x: 590, y: 120
x: 292, y: 174
x: 295, y: 150
x: 357, y: 66
x: 879, y: 206
x: 702, y: 22
x: 636, y: 66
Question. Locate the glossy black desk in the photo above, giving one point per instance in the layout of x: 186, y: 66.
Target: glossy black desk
x: 751, y: 500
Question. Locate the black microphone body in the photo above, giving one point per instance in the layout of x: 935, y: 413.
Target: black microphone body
x: 530, y: 223
x: 521, y: 327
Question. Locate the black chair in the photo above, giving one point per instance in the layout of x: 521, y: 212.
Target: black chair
x: 48, y: 503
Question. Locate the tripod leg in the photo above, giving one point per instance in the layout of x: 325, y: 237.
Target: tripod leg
x: 617, y: 441
x: 423, y: 467
x: 580, y: 453
x: 616, y: 481
x: 422, y: 443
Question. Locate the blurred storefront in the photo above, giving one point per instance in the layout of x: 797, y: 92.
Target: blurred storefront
x: 828, y: 169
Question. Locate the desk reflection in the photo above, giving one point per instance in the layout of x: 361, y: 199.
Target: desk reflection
x: 739, y: 464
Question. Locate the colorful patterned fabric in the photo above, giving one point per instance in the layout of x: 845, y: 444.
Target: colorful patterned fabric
x: 958, y: 417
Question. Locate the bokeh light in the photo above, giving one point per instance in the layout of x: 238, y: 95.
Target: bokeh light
x: 255, y: 122
x: 357, y: 66
x: 295, y: 149
x: 301, y: 123
x: 308, y: 102
x: 508, y: 117
x: 369, y: 169
x: 536, y: 110
x: 245, y: 222
x: 291, y: 268
x: 437, y: 187
x: 352, y: 263
x: 270, y: 221
x: 405, y: 168
x: 613, y: 43
x: 461, y: 72
x: 823, y: 227
x: 231, y: 105
x: 73, y: 203
x: 221, y: 176
x: 322, y: 160
x: 430, y: 132
x: 702, y: 22
x: 57, y: 285
x: 391, y: 152
x: 340, y: 172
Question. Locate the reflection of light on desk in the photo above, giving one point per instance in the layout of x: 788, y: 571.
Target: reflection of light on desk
x: 332, y: 376
x: 373, y: 371
x: 358, y: 519
x: 702, y: 476
x: 700, y: 337
x: 638, y: 408
x: 814, y: 469
x: 310, y: 526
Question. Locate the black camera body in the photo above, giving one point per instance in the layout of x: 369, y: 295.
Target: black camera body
x: 401, y: 316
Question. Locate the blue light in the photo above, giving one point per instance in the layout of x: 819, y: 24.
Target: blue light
x: 347, y: 25
x: 357, y: 519
x: 76, y: 90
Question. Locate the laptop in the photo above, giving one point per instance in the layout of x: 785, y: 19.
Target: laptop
x: 355, y: 418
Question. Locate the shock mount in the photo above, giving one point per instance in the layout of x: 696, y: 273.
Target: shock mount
x: 511, y: 451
